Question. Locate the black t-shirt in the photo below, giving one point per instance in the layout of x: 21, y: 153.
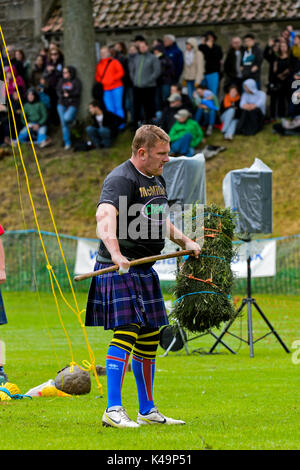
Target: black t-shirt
x: 142, y: 207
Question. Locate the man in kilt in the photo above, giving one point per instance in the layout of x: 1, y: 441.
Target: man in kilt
x: 3, y: 320
x: 132, y: 223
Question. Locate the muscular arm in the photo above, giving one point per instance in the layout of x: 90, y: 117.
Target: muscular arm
x: 106, y: 230
x: 176, y: 236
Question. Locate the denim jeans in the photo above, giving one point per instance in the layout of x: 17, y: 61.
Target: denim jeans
x: 66, y: 116
x: 229, y: 123
x: 205, y: 117
x: 41, y: 134
x: 183, y: 145
x: 100, y: 136
x: 191, y: 87
x: 211, y: 80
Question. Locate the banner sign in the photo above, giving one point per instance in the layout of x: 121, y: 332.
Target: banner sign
x: 263, y: 259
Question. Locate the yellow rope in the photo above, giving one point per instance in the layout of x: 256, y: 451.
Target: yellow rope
x: 91, y: 366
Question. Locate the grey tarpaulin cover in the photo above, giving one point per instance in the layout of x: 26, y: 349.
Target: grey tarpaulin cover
x: 185, y: 179
x: 249, y: 193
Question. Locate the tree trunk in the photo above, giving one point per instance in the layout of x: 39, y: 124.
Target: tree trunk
x: 79, y: 46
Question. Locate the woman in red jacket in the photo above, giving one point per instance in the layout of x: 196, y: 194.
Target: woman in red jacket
x: 109, y: 73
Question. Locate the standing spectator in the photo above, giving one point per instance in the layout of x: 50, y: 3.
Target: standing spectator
x: 296, y: 47
x: 207, y: 106
x: 36, y: 116
x: 251, y: 60
x: 253, y: 109
x: 24, y: 63
x: 68, y: 92
x: 11, y: 54
x: 213, y: 56
x: 105, y: 126
x: 53, y: 73
x: 231, y: 112
x: 185, y: 134
x: 172, y: 50
x: 165, y: 78
x: 144, y: 73
x: 109, y: 74
x: 193, y: 71
x: 232, y: 64
x: 3, y: 319
x: 37, y: 71
x: 279, y: 87
x: 132, y: 53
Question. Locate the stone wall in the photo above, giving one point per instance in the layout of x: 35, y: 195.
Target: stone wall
x: 21, y: 22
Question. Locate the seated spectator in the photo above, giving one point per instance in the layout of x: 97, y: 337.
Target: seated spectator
x: 231, y: 111
x: 207, y: 106
x: 3, y: 122
x: 42, y: 89
x: 36, y: 116
x: 105, y: 125
x: 11, y: 82
x: 168, y: 115
x: 109, y: 74
x: 9, y: 131
x: 185, y: 134
x: 193, y: 71
x: 68, y: 92
x: 253, y: 109
x: 186, y: 100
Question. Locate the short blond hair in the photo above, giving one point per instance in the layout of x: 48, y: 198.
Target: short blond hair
x: 147, y: 136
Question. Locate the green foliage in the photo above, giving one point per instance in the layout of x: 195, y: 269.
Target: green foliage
x: 203, y: 285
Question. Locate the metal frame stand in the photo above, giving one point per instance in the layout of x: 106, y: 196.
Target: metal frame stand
x: 249, y: 301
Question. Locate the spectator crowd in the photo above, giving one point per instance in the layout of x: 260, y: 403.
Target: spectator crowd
x: 188, y: 93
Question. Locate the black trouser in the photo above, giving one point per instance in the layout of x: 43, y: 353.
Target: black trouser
x: 144, y: 99
x: 250, y: 122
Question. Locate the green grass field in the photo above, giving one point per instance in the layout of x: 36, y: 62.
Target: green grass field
x: 228, y: 401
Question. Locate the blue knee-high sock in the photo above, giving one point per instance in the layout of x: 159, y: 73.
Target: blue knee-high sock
x: 143, y: 370
x: 116, y: 362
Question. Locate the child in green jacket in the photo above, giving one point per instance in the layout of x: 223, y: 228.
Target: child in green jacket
x: 37, y: 116
x: 185, y: 134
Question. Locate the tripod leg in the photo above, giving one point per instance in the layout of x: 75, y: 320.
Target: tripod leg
x: 219, y: 340
x: 271, y: 327
x: 250, y: 330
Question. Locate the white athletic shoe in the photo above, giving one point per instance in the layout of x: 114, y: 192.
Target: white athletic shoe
x: 155, y: 417
x: 118, y: 418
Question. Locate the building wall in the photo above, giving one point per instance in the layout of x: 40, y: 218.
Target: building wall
x: 21, y: 22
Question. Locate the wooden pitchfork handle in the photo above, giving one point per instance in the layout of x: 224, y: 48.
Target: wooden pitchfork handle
x: 135, y: 262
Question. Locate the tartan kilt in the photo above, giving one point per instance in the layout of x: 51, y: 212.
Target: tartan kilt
x: 3, y: 318
x: 134, y: 297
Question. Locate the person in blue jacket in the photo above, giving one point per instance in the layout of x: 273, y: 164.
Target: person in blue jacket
x: 175, y: 54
